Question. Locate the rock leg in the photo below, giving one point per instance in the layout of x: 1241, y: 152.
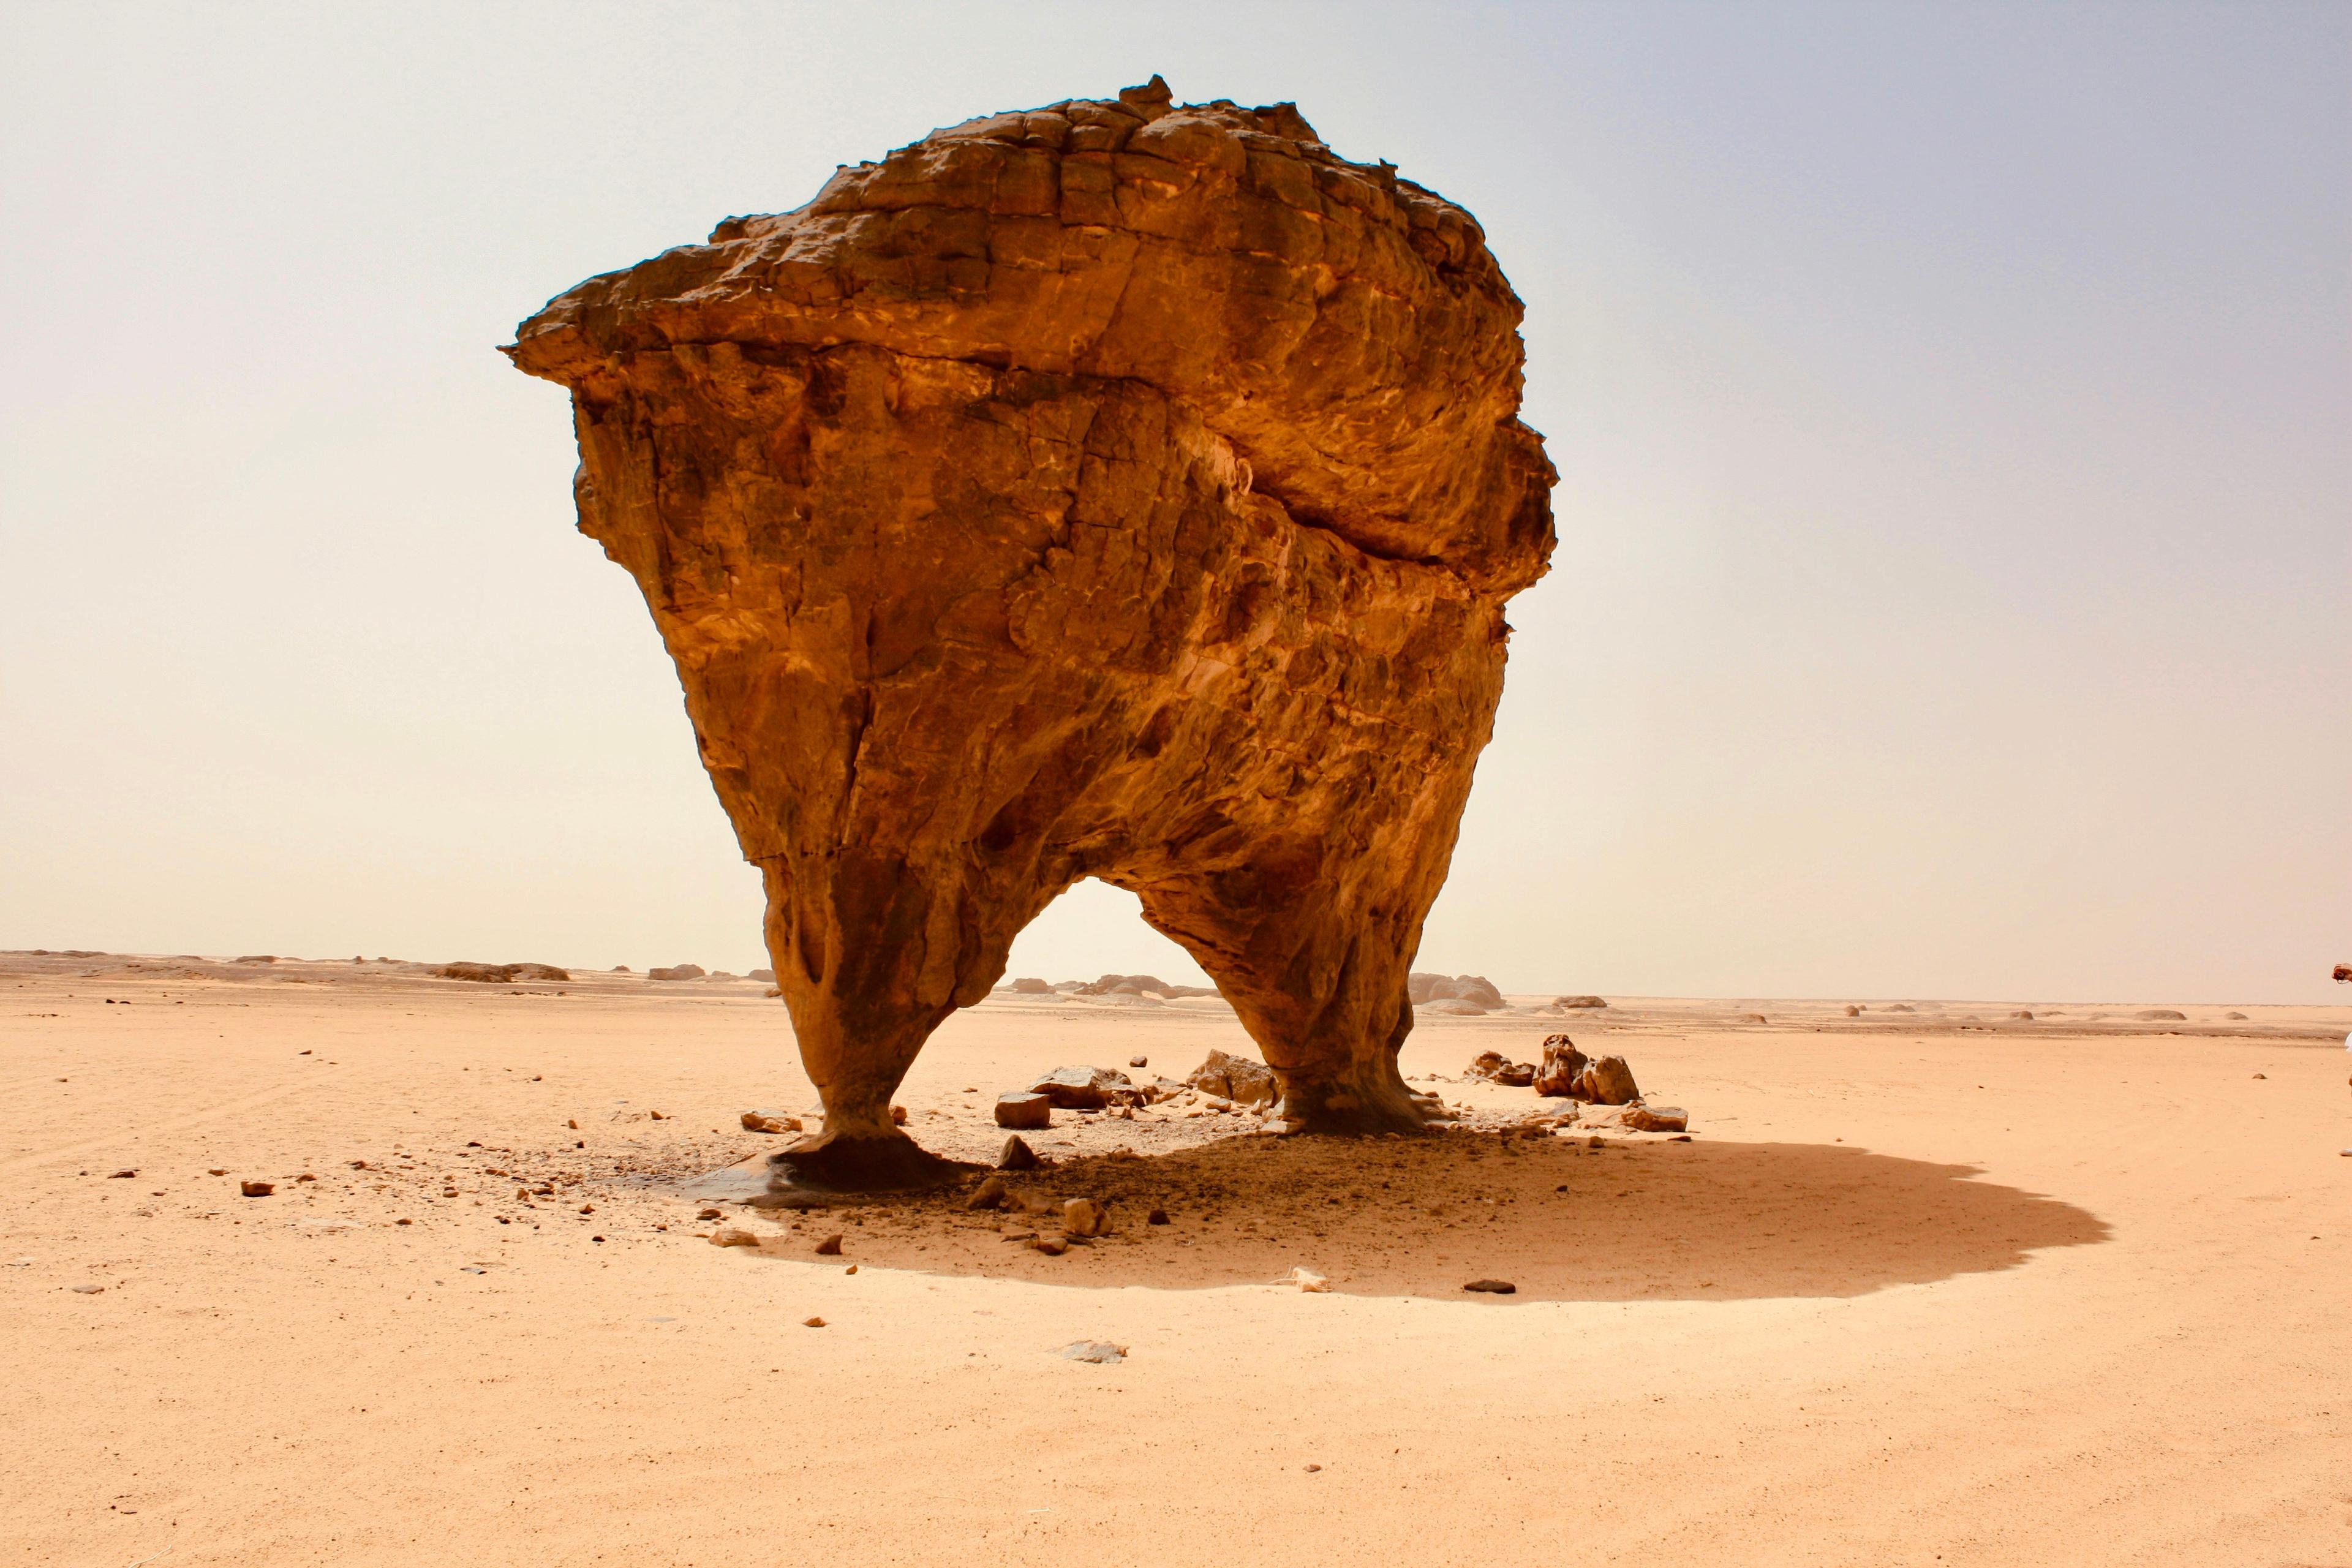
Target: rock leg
x: 866, y: 949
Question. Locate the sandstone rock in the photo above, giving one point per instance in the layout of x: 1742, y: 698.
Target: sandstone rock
x: 1306, y: 1280
x: 2234, y: 1018
x: 1082, y: 1089
x: 1578, y: 1002
x: 730, y: 1236
x: 769, y: 1121
x: 1853, y: 1011
x: 706, y: 1213
x: 1237, y: 1079
x: 1607, y: 1080
x: 1032, y: 988
x: 2022, y: 1014
x: 764, y: 976
x: 1655, y: 1118
x: 989, y: 1195
x: 1157, y: 1216
x: 1051, y: 1246
x: 1493, y: 1286
x: 1016, y: 1155
x: 1139, y: 1061
x: 1081, y: 1216
x: 1165, y: 450
x: 2162, y: 1014
x: 1562, y: 1067
x: 1099, y: 1352
x: 812, y: 1322
x: 830, y: 1247
x: 257, y: 1189
x: 1026, y: 1109
x: 897, y: 1116
x: 677, y: 971
x: 1455, y: 1008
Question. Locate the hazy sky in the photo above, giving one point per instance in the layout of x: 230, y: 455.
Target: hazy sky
x: 1953, y: 407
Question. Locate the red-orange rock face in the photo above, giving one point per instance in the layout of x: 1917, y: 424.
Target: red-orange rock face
x: 1113, y: 489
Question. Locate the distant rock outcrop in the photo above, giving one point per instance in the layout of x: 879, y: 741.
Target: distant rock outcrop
x: 677, y: 971
x: 1120, y: 489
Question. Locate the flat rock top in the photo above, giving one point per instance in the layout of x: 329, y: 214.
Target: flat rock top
x: 1346, y: 329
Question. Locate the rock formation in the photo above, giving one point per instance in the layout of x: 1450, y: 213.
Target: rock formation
x: 1116, y: 490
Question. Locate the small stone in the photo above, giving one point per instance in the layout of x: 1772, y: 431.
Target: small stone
x: 2262, y: 1074
x: 1051, y: 1246
x: 769, y: 1121
x: 1655, y: 1118
x: 731, y: 1235
x: 851, y: 1269
x: 88, y: 1290
x: 1852, y: 1011
x: 1306, y: 1280
x: 1493, y: 1286
x: 898, y: 1116
x: 360, y: 1165
x: 1098, y: 1353
x: 1312, y: 1468
x: 121, y: 1175
x: 257, y: 1189
x: 1080, y: 1216
x: 587, y: 1208
x: 1157, y: 1216
x: 706, y: 1213
x: 830, y: 1247
x: 812, y: 1322
x: 1016, y: 1155
x: 1023, y: 1110
x: 572, y: 1124
x: 989, y: 1195
x: 1139, y: 1061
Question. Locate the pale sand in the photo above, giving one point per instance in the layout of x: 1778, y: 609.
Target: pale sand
x: 1917, y: 1291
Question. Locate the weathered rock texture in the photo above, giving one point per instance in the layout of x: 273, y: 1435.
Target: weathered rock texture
x: 1116, y: 490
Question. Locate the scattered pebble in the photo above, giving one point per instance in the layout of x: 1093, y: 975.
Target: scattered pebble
x: 120, y: 1175
x: 1493, y: 1286
x: 224, y: 1171
x: 732, y: 1236
x: 1051, y: 1246
x: 88, y: 1290
x: 769, y: 1121
x: 1157, y: 1216
x: 830, y: 1247
x: 707, y: 1214
x: 262, y: 1190
x: 1016, y: 1155
x: 812, y: 1322
x: 1139, y: 1061
x: 1308, y: 1280
x: 851, y: 1269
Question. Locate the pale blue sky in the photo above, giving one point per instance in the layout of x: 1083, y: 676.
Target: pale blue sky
x: 1953, y: 406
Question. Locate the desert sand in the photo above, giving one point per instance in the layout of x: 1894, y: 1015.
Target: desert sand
x: 1942, y: 1286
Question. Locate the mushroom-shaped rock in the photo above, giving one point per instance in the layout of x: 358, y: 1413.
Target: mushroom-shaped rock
x: 1116, y: 489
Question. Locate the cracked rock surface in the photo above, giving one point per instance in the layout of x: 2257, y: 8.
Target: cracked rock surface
x: 1116, y: 489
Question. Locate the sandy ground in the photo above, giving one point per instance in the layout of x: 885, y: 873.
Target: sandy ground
x: 1935, y: 1287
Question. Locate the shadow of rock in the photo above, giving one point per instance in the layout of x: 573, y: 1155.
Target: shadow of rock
x: 1629, y: 1221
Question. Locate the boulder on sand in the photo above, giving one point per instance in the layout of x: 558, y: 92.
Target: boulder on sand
x: 1578, y: 1002
x: 1497, y: 1067
x: 1569, y: 1072
x: 1655, y: 1118
x: 1031, y: 986
x: 1475, y: 989
x: 1085, y: 1088
x: 1237, y: 1079
x: 677, y: 971
x: 1028, y: 1110
x: 1562, y: 1066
